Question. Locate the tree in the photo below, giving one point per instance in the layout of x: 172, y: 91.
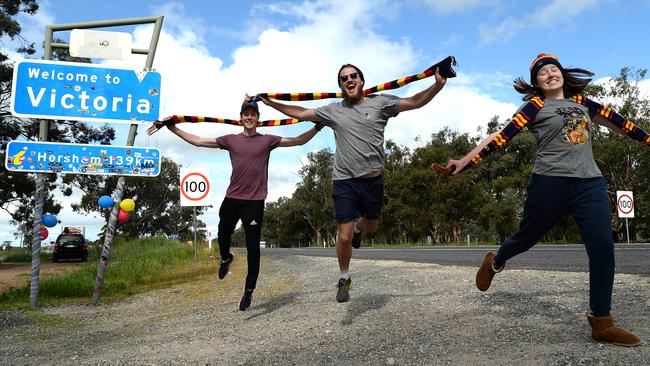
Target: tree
x: 16, y: 188
x: 158, y: 209
x: 624, y: 162
x: 313, y: 195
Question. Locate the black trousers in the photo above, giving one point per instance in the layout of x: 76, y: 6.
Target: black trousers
x: 251, y: 213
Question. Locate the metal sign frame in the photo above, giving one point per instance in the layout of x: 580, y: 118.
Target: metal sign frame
x: 49, y: 44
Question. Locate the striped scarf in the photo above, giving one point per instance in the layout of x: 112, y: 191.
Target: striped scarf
x: 444, y: 66
x: 528, y: 114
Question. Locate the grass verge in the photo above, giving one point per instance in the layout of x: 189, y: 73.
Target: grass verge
x: 134, y: 267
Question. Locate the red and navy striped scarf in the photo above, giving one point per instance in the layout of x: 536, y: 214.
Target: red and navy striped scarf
x: 444, y: 66
x: 534, y: 105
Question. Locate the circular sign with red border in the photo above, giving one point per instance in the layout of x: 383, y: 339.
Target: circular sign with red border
x: 195, y: 186
x: 625, y: 204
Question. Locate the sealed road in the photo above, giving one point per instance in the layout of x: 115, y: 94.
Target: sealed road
x: 630, y: 258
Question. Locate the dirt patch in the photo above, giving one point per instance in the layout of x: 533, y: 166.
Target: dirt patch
x: 399, y: 314
x: 19, y: 274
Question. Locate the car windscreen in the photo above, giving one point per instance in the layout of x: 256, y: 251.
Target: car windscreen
x: 72, y: 239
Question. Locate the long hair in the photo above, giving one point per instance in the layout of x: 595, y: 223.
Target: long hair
x: 575, y: 81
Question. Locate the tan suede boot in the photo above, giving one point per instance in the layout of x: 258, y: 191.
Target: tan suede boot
x: 603, y: 330
x: 486, y: 272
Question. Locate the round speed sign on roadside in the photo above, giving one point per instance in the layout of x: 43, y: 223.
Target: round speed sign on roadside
x: 195, y: 186
x: 625, y: 204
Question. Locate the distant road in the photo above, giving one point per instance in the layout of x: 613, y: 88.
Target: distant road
x: 630, y: 258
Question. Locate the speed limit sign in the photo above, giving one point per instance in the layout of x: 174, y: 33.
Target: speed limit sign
x: 195, y: 187
x: 625, y: 204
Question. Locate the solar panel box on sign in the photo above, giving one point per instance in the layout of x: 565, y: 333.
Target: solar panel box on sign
x: 100, y: 44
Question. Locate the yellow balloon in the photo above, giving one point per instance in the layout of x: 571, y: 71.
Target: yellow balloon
x: 127, y: 205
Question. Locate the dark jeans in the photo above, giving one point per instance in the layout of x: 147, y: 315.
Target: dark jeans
x: 549, y: 199
x: 251, y: 213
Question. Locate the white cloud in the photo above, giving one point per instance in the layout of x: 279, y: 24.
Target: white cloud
x: 461, y: 109
x: 557, y: 13
x: 303, y: 58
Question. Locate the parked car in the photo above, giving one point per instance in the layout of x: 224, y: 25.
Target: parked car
x: 70, y: 245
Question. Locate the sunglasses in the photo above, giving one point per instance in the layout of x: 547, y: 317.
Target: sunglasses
x: 344, y: 78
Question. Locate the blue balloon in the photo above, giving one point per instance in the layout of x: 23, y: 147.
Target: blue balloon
x: 49, y: 220
x: 105, y: 202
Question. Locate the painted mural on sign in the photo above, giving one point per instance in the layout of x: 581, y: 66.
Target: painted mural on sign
x: 45, y: 157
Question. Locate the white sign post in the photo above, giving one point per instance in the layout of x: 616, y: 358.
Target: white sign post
x: 195, y: 191
x: 625, y: 208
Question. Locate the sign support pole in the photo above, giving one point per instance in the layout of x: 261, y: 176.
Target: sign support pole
x: 39, y: 198
x: 625, y: 208
x: 196, y: 258
x: 112, y: 221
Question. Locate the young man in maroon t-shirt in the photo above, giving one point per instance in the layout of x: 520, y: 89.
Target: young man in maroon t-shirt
x: 249, y: 156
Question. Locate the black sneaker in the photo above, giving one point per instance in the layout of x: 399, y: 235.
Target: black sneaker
x: 356, y: 240
x: 344, y: 285
x: 245, y: 302
x: 223, y: 267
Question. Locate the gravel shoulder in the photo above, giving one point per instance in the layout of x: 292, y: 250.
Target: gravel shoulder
x: 399, y: 314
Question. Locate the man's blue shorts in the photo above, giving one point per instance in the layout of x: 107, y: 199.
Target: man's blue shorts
x: 357, y: 197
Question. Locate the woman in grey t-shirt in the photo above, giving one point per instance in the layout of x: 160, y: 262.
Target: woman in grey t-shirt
x: 565, y: 180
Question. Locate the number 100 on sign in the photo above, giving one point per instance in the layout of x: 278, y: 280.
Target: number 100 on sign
x: 195, y: 187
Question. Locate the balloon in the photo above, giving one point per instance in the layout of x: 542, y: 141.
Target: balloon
x: 123, y: 216
x: 105, y: 202
x: 127, y: 205
x: 44, y: 233
x: 49, y: 220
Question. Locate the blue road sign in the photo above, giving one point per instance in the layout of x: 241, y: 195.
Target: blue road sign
x: 84, y: 92
x: 54, y: 157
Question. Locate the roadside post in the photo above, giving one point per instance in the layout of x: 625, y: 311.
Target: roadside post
x: 625, y: 208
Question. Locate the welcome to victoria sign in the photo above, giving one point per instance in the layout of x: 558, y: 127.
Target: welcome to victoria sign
x: 84, y: 92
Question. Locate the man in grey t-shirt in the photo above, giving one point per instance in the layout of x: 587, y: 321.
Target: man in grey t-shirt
x: 358, y: 122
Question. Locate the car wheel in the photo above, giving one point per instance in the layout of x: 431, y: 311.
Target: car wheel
x: 54, y: 259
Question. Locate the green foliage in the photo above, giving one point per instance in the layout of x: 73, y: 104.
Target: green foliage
x: 485, y: 202
x: 136, y: 266
x: 624, y: 162
x: 18, y: 255
x: 307, y: 217
x: 157, y: 211
x: 17, y: 188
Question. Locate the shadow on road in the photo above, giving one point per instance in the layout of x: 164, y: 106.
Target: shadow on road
x: 363, y: 304
x: 275, y: 303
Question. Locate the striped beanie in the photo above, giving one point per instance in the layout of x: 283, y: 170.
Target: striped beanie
x: 540, y: 61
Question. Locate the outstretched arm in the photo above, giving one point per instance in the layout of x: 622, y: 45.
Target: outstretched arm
x: 420, y: 99
x: 193, y: 139
x: 457, y: 166
x: 293, y: 111
x: 302, y: 138
x: 626, y: 128
x: 496, y: 140
x: 607, y: 117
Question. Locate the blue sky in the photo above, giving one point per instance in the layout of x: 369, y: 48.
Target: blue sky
x: 212, y: 52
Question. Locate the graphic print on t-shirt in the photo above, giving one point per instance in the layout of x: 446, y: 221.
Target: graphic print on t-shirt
x: 576, y: 125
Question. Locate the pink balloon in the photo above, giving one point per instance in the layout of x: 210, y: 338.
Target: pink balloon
x: 123, y: 216
x: 44, y: 233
